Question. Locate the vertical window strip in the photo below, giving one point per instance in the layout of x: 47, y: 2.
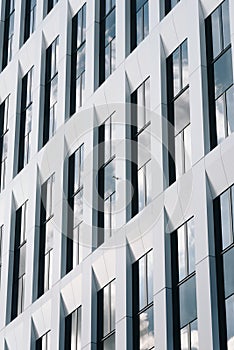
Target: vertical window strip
x: 220, y: 73
x: 107, y: 54
x: 4, y: 107
x: 18, y: 286
x: 8, y: 32
x: 75, y: 244
x: 179, y: 139
x: 46, y: 236
x: 106, y: 178
x: 184, y: 286
x: 51, y: 90
x: 106, y: 316
x: 25, y: 120
x: 143, y: 319
x: 30, y: 18
x: 139, y: 21
x: 78, y: 60
x: 73, y: 330
x: 44, y: 342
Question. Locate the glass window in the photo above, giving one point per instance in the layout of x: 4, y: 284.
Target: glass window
x: 229, y: 304
x: 73, y: 330
x: 143, y: 302
x: 220, y: 74
x: 78, y: 60
x: 44, y: 343
x: 107, y: 39
x: 228, y: 261
x: 179, y: 112
x: 19, y: 257
x: 188, y: 306
x: 107, y: 300
x: 3, y: 140
x: 8, y: 32
x: 51, y: 90
x: 222, y: 69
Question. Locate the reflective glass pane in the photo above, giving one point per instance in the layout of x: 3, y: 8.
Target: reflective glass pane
x: 74, y: 330
x: 226, y: 24
x: 110, y: 27
x: 191, y: 246
x: 78, y: 208
x: 150, y: 268
x: 185, y: 72
x: 78, y: 343
x: 139, y: 25
x: 194, y: 335
x: 142, y: 283
x: 20, y: 302
x: 107, y: 138
x: 79, y: 28
x: 230, y: 109
x: 146, y: 19
x: 107, y: 215
x: 78, y: 91
x: 11, y: 24
x: 106, y: 310
x: 179, y: 154
x: 226, y: 219
x: 22, y: 260
x: 188, y: 305
x: 182, y: 111
x: 49, y: 236
x: 75, y: 245
x: 184, y: 338
x: 229, y: 303
x: 228, y: 263
x: 109, y: 343
x: 216, y: 32
x: 109, y: 179
x: 80, y: 63
x: 147, y: 100
x: 84, y: 22
x: 181, y: 238
x: 223, y: 73
x: 141, y: 120
x: 108, y: 5
x: 144, y: 147
x: 113, y: 55
x: 53, y: 90
x: 176, y: 71
x: 187, y: 148
x: 149, y: 182
x: 28, y: 120
x: 107, y: 61
x: 141, y: 188
x: 5, y: 146
x: 29, y: 88
x: 139, y: 4
x: 147, y: 329
x: 113, y: 305
x: 220, y: 119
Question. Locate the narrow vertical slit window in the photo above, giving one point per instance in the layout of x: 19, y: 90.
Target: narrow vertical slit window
x: 75, y: 237
x: 106, y: 178
x: 78, y: 60
x: 184, y: 287
x: 8, y: 32
x: 73, y: 330
x: 4, y: 107
x: 169, y: 4
x: 44, y: 342
x: 25, y: 120
x: 140, y: 147
x: 51, y: 4
x: 107, y: 50
x: 220, y: 74
x: 139, y: 21
x: 51, y: 91
x: 106, y: 317
x: 143, y: 309
x: 30, y: 18
x: 179, y: 126
x: 224, y: 240
x: 46, y: 236
x: 19, y: 271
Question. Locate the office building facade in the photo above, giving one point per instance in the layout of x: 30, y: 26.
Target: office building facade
x: 116, y: 174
